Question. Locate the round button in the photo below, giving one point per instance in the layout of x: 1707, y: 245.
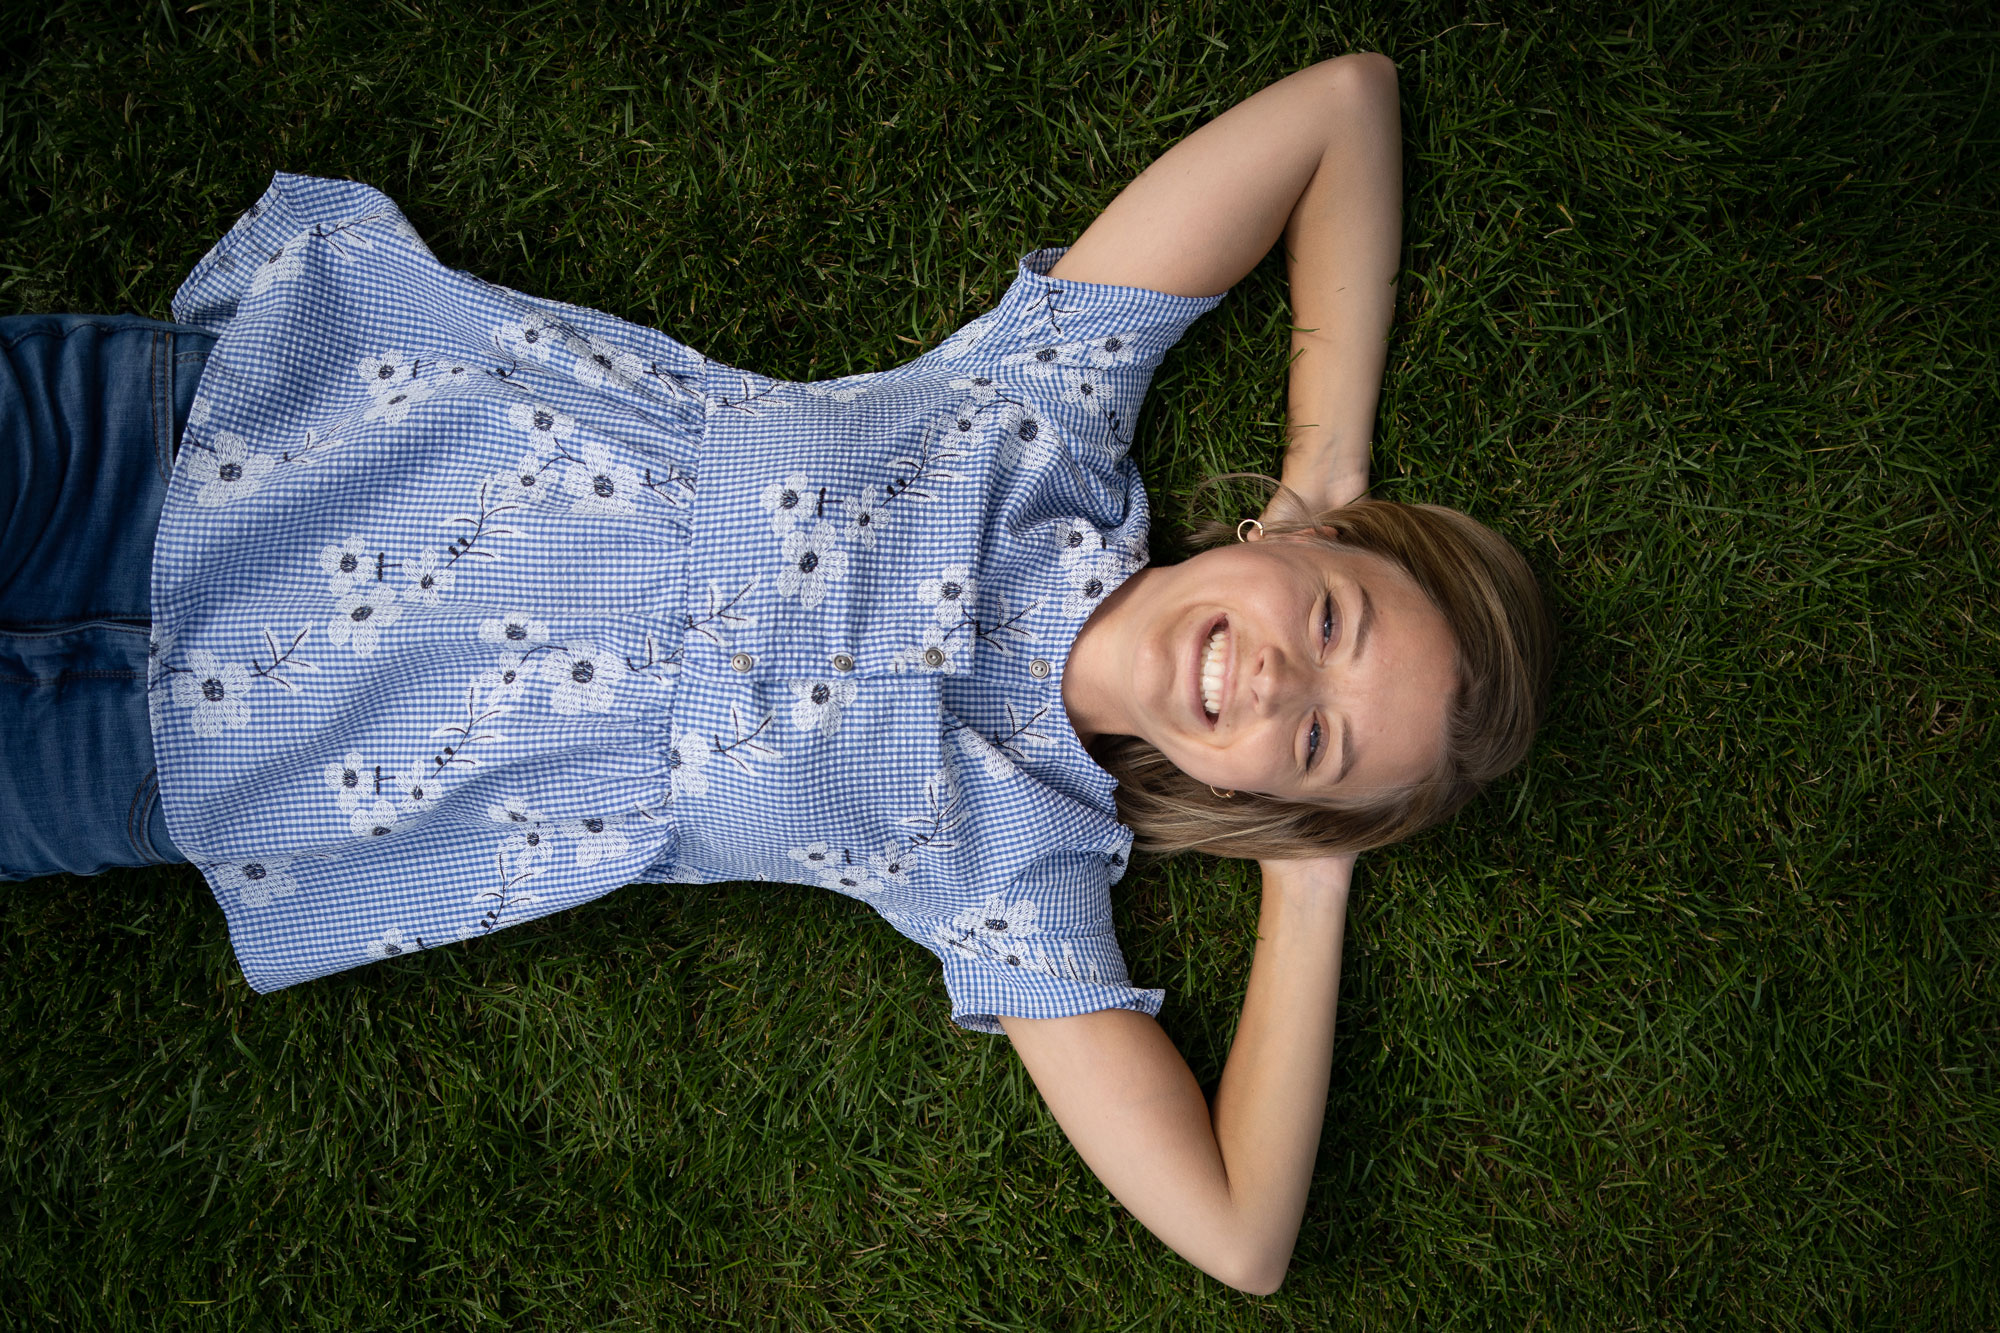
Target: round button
x: 1038, y: 669
x: 933, y: 657
x: 742, y: 662
x: 842, y: 662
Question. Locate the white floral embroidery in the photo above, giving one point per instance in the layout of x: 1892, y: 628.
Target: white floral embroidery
x: 687, y: 764
x: 394, y: 404
x: 850, y: 879
x: 950, y: 595
x: 1025, y: 438
x: 936, y: 651
x: 360, y: 616
x: 843, y: 390
x: 256, y: 883
x: 350, y: 781
x: 814, y: 856
x: 456, y: 376
x: 391, y: 943
x: 506, y: 681
x: 990, y: 758
x: 997, y: 919
x: 1089, y: 581
x: 788, y: 502
x: 198, y: 411
x: 596, y: 840
x: 1076, y: 542
x: 584, y: 677
x: 978, y: 388
x: 1026, y: 731
x: 514, y: 810
x: 812, y: 560
x: 418, y: 789
x: 600, y: 485
x: 530, y: 338
x: 516, y: 629
x: 386, y: 375
x: 817, y: 704
x: 600, y: 364
x: 429, y: 580
x: 866, y: 518
x: 346, y: 563
x: 962, y: 343
x: 942, y: 813
x: 227, y: 470
x: 1113, y: 349
x: 372, y: 818
x: 530, y: 481
x: 529, y: 842
x: 545, y: 426
x: 1048, y: 359
x: 282, y: 264
x: 1083, y: 385
x: 891, y: 867
x: 214, y: 689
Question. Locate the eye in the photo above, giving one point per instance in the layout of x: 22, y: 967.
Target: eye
x: 1312, y: 744
x: 1326, y: 622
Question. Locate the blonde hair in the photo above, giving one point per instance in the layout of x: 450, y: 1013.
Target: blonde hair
x: 1505, y: 655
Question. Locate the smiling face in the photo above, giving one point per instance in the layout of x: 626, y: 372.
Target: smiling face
x: 1285, y: 667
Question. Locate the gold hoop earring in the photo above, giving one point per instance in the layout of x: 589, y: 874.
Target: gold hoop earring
x: 1222, y: 795
x: 1248, y: 523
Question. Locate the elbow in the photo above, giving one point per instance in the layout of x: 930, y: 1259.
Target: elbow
x: 1369, y: 72
x: 1359, y: 85
x: 1254, y: 1273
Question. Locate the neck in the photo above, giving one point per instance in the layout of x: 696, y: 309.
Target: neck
x: 1097, y: 681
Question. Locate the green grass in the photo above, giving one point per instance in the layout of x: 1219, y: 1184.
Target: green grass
x: 1693, y: 1023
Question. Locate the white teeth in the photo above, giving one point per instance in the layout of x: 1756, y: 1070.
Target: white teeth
x: 1211, y: 674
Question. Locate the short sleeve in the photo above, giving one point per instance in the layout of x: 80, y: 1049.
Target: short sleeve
x: 1041, y: 948
x: 1093, y: 323
x: 1074, y: 358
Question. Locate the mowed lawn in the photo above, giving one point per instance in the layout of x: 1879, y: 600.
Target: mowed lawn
x: 1692, y: 1023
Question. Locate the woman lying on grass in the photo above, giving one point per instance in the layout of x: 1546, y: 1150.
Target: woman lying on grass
x: 459, y: 607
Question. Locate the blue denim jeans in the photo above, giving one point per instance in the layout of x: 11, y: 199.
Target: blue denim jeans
x: 91, y: 412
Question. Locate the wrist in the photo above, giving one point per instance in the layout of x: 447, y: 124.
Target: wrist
x: 1319, y: 884
x: 1327, y: 478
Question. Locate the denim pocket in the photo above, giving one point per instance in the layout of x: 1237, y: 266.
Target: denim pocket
x: 146, y: 825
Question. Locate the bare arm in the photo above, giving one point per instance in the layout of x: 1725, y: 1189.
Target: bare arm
x: 1225, y: 1189
x: 1317, y: 159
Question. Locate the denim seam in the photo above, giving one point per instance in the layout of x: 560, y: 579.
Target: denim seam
x: 163, y: 400
x: 17, y: 339
x: 61, y: 676
x: 140, y: 814
x: 37, y: 632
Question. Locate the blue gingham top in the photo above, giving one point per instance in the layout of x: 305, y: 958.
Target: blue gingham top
x: 471, y: 607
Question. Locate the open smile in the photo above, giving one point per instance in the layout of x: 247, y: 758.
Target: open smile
x: 1210, y: 679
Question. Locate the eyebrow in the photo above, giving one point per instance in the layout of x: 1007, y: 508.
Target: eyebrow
x: 1361, y: 626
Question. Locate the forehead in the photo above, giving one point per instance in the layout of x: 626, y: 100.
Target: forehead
x: 1306, y: 555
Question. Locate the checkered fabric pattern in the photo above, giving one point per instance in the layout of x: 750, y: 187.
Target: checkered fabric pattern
x: 471, y: 607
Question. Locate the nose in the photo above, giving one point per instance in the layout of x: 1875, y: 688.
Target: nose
x: 1277, y: 679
